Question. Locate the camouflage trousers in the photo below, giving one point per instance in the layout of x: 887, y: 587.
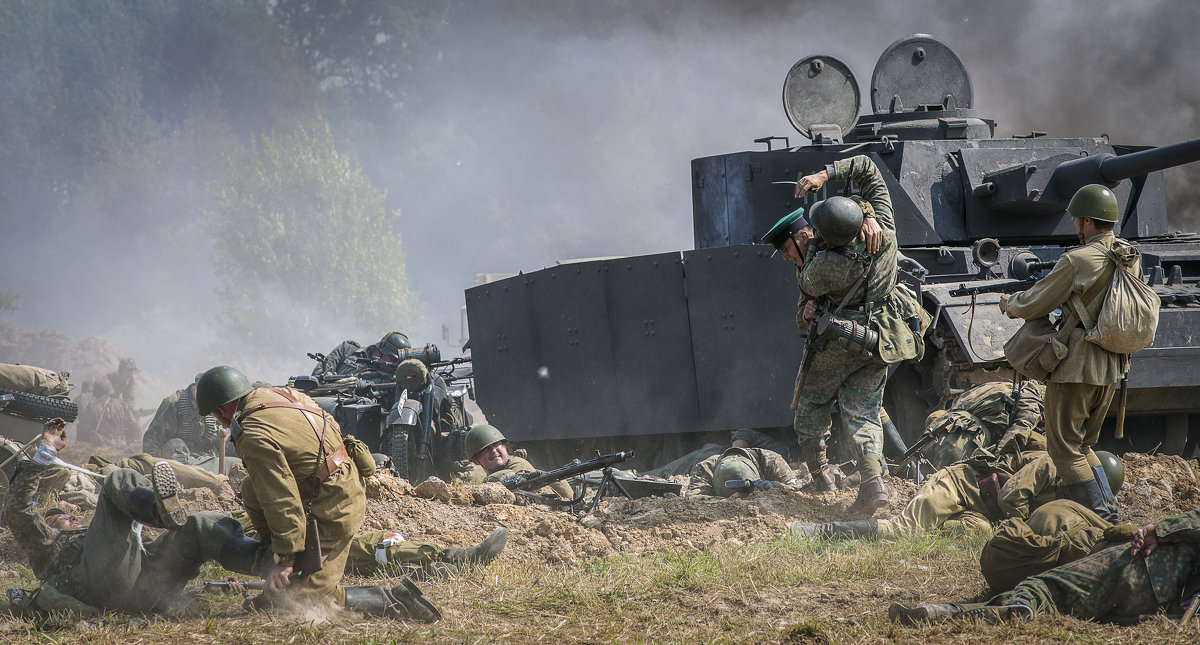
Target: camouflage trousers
x: 856, y: 383
x: 115, y: 572
x: 949, y: 500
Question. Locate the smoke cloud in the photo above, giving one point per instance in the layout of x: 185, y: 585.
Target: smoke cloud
x: 534, y: 132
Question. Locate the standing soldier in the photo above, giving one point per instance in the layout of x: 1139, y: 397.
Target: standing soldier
x: 848, y: 277
x: 1079, y: 390
x: 300, y: 479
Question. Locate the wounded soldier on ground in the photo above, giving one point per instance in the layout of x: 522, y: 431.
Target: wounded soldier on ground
x: 1159, y: 573
x: 971, y: 496
x: 487, y: 448
x: 753, y: 469
x: 106, y: 565
x: 981, y: 417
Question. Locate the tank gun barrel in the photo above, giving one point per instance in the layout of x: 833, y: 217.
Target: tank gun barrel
x: 1109, y: 168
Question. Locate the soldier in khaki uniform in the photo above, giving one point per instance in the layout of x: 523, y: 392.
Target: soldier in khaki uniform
x: 764, y: 468
x: 488, y: 449
x: 846, y: 263
x: 982, y: 416
x: 298, y: 469
x: 1080, y: 389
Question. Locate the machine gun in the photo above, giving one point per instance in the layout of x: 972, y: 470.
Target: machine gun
x: 914, y: 454
x: 525, y: 483
x: 1011, y: 286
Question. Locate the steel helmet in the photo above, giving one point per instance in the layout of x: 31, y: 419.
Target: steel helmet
x: 734, y: 463
x: 392, y: 342
x: 837, y: 219
x: 480, y: 437
x: 1094, y: 201
x: 1114, y: 470
x: 219, y: 386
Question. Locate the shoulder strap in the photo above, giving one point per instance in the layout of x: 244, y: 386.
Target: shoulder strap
x: 1098, y: 287
x: 326, y: 465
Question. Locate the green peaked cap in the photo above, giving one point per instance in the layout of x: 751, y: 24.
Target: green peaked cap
x: 786, y: 225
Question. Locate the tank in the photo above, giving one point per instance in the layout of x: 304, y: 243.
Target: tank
x: 676, y: 347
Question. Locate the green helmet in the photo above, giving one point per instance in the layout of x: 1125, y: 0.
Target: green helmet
x: 734, y: 463
x: 837, y: 219
x: 412, y: 374
x: 219, y: 386
x: 1114, y: 470
x: 1094, y: 201
x: 481, y: 436
x: 785, y: 227
x: 392, y: 342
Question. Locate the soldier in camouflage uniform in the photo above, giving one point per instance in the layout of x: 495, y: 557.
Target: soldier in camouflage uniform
x: 299, y: 471
x: 1122, y: 584
x: 352, y: 359
x: 106, y: 566
x: 488, y: 450
x: 764, y: 468
x: 178, y: 429
x: 1079, y: 390
x: 980, y: 417
x: 846, y: 271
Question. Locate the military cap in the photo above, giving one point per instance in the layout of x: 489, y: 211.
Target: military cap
x: 785, y: 228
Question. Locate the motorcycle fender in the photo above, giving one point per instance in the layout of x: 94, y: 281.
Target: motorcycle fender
x: 408, y: 414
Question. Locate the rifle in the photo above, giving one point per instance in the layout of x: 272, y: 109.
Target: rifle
x: 915, y: 450
x: 1000, y: 287
x: 226, y: 586
x: 813, y: 343
x: 524, y: 484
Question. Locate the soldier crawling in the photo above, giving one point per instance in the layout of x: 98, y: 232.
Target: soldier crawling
x: 759, y: 469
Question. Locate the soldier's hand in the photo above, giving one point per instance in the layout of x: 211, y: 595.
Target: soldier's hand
x: 764, y: 484
x: 872, y: 233
x: 811, y: 183
x: 1145, y: 541
x: 275, y: 581
x: 810, y: 310
x: 235, y: 585
x: 54, y: 432
x: 1004, y: 302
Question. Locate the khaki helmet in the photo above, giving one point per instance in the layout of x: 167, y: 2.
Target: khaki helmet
x: 1114, y: 470
x: 392, y: 342
x: 219, y: 386
x: 734, y: 463
x: 837, y: 219
x: 412, y: 374
x: 481, y: 436
x: 1094, y: 201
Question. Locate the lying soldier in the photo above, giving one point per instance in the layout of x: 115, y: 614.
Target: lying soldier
x: 1121, y: 584
x: 753, y: 468
x: 488, y: 449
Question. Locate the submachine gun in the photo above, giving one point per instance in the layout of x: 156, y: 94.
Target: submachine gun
x: 525, y: 484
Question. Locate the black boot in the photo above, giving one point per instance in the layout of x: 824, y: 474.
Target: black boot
x: 1110, y: 499
x: 402, y: 602
x: 836, y: 530
x: 247, y: 557
x: 158, y: 506
x: 824, y: 476
x: 480, y: 554
x: 1090, y: 495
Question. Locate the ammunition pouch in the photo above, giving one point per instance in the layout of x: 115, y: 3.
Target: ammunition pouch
x: 854, y: 337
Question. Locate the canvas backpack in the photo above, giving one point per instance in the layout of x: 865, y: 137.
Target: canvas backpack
x: 1129, y: 316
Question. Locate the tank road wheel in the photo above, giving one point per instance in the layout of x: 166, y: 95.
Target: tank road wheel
x: 40, y: 408
x: 395, y: 445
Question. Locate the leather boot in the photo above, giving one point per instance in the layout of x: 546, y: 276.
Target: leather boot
x: 917, y: 614
x: 402, y: 602
x: 1013, y: 613
x: 1090, y: 495
x: 480, y: 554
x: 824, y: 477
x: 872, y: 496
x: 836, y: 530
x: 247, y: 557
x: 166, y: 496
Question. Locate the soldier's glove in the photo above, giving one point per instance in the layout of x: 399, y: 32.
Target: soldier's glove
x: 764, y: 484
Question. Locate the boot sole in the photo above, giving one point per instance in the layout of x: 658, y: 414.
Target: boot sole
x: 166, y: 495
x: 419, y: 607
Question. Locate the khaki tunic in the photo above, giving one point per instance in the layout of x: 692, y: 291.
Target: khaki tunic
x: 279, y: 448
x: 516, y: 464
x: 1056, y: 533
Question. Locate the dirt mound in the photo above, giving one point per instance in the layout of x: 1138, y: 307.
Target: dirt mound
x: 1157, y: 486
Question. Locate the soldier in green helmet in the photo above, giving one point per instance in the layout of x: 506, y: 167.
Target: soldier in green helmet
x: 845, y: 254
x: 299, y: 471
x: 353, y: 359
x: 487, y: 448
x: 1079, y: 390
x: 764, y: 469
